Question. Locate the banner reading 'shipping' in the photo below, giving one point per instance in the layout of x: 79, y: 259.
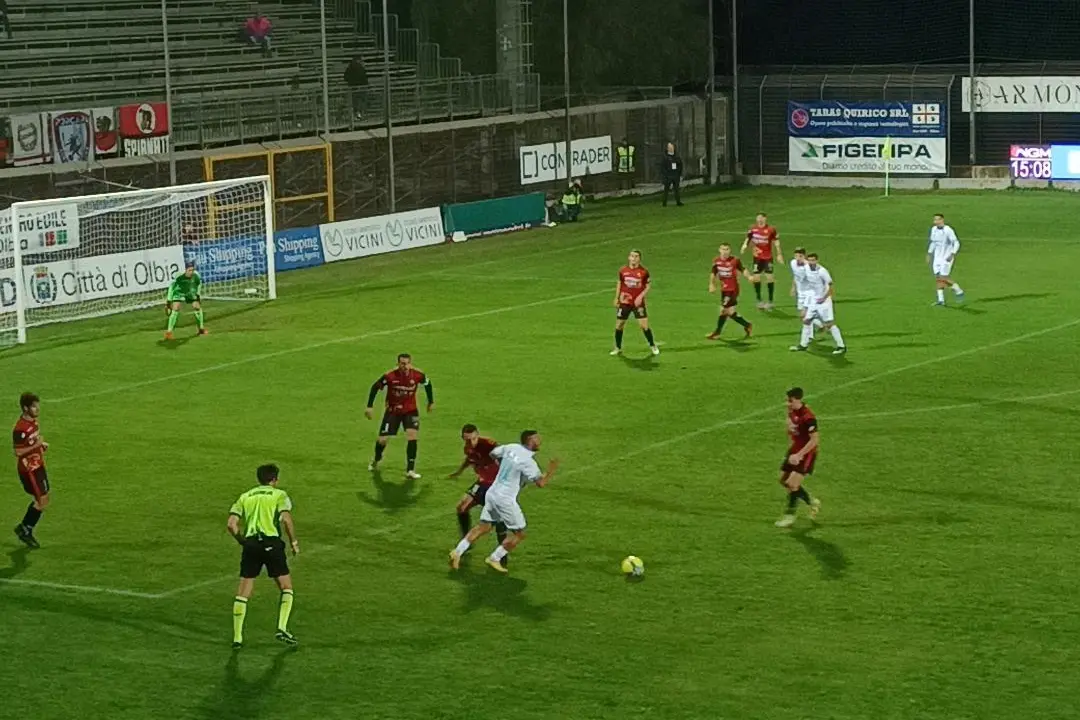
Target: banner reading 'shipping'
x: 101, y: 276
x: 297, y: 248
x: 228, y: 259
x: 350, y: 239
x: 906, y: 156
x: 547, y: 162
x: 50, y: 228
x: 830, y: 118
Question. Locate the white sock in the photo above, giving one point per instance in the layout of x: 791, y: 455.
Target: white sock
x: 498, y: 554
x: 462, y: 546
x: 956, y: 289
x: 940, y: 295
x: 836, y: 336
x: 807, y: 334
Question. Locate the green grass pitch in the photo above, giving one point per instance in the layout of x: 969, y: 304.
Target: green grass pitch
x: 940, y: 583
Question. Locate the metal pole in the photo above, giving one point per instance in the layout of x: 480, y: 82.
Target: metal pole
x: 168, y: 89
x: 386, y: 104
x: 736, y: 151
x: 566, y: 83
x: 325, y: 70
x: 710, y: 90
x: 971, y: 85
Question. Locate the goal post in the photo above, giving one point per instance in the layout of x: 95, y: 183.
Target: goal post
x: 73, y: 258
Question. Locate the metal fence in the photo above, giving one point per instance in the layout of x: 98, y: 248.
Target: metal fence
x: 765, y: 92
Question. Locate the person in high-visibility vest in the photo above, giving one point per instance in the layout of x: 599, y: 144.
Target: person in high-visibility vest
x: 624, y: 163
x: 570, y: 203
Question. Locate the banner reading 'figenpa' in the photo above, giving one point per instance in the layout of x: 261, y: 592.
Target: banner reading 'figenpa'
x: 831, y: 118
x: 868, y: 155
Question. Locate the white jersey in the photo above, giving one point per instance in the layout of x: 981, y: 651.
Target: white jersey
x: 943, y: 243
x: 818, y: 281
x: 798, y: 275
x: 516, y: 468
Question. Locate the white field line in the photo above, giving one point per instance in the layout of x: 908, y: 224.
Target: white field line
x: 78, y: 588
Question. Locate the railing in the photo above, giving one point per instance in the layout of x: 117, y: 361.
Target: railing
x: 207, y: 121
x: 552, y: 96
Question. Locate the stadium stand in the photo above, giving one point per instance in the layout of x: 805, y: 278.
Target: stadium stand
x: 81, y: 53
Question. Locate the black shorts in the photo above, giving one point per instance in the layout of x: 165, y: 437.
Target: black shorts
x: 806, y: 467
x: 35, y: 482
x: 762, y: 267
x: 391, y: 422
x: 729, y: 300
x: 478, y: 493
x: 268, y: 552
x: 625, y: 312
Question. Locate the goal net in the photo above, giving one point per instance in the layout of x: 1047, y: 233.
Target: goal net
x: 81, y: 257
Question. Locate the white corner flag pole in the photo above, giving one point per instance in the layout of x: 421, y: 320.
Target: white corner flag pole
x: 888, y: 163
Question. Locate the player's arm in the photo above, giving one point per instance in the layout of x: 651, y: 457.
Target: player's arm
x: 464, y: 464
x: 22, y: 449
x: 746, y: 273
x: 196, y: 284
x: 234, y: 524
x: 954, y: 244
x: 373, y: 393
x: 746, y: 242
x: 930, y: 249
x: 777, y: 250
x: 544, y: 479
x: 829, y: 292
x: 429, y: 391
x: 618, y: 290
x: 290, y: 530
x: 712, y: 279
x: 641, y: 298
x: 810, y: 446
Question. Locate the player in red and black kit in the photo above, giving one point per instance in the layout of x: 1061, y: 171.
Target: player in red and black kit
x: 726, y: 269
x: 630, y: 291
x: 764, y: 240
x: 401, y: 385
x: 799, y: 462
x: 30, y: 460
x: 478, y: 456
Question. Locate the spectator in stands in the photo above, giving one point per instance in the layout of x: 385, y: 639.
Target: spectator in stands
x: 258, y: 31
x: 357, y: 80
x: 5, y: 20
x: 671, y: 172
x: 570, y: 204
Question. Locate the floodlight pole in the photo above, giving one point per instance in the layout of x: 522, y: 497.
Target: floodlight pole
x: 386, y: 102
x: 566, y: 85
x: 168, y: 90
x: 971, y: 85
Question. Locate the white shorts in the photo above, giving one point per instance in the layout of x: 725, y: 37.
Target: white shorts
x: 503, y: 510
x: 820, y: 311
x: 942, y: 268
x: 803, y: 300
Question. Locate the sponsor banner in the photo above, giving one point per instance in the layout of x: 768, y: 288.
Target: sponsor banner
x: 8, y: 288
x: 383, y: 234
x: 102, y: 276
x: 1023, y: 94
x: 297, y: 248
x: 42, y: 230
x: 30, y: 139
x: 72, y: 136
x: 488, y: 217
x: 144, y: 129
x: 831, y: 118
x: 862, y: 155
x: 229, y: 259
x: 106, y: 137
x: 547, y: 162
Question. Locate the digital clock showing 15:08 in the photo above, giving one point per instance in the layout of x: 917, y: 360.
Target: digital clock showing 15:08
x: 1030, y: 162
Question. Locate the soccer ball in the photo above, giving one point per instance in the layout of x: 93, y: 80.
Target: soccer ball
x: 632, y: 566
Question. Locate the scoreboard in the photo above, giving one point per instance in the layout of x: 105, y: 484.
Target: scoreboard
x: 1044, y: 162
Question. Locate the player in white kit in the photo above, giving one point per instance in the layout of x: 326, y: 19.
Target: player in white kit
x: 819, y: 284
x: 940, y: 255
x: 516, y: 469
x: 799, y: 288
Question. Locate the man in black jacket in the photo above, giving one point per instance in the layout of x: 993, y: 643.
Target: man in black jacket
x: 671, y: 172
x: 357, y: 80
x: 5, y: 18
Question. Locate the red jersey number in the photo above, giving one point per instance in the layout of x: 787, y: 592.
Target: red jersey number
x: 761, y: 240
x: 632, y: 283
x: 727, y: 272
x: 26, y: 435
x: 479, y: 457
x: 401, y: 390
x: 801, y: 426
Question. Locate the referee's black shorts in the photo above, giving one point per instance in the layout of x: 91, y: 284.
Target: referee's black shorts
x: 262, y: 551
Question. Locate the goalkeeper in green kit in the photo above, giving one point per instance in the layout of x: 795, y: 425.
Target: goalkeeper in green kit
x: 185, y: 288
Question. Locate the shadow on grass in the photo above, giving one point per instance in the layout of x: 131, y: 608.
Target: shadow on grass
x: 643, y: 364
x: 828, y: 555
x: 19, y: 563
x: 486, y: 588
x: 238, y: 697
x: 1017, y: 296
x: 391, y: 496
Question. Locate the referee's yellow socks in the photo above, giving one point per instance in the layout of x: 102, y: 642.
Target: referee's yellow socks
x: 284, y: 610
x: 239, y: 613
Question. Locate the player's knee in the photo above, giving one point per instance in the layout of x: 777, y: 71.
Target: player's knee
x: 42, y: 502
x: 464, y: 505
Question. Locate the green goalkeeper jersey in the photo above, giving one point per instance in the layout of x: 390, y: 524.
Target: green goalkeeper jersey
x: 185, y: 287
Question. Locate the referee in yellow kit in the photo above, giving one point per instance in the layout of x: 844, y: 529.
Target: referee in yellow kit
x: 256, y: 521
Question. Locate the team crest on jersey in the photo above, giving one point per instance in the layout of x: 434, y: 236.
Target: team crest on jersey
x: 43, y: 286
x: 71, y: 137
